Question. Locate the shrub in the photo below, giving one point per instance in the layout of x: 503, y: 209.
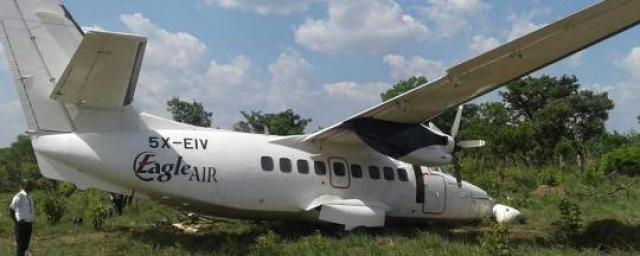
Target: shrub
x: 624, y: 161
x: 66, y: 189
x: 568, y: 229
x: 497, y: 241
x: 267, y: 244
x: 97, y: 210
x: 54, y: 208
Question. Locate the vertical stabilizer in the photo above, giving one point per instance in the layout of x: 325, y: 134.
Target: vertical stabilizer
x: 39, y: 38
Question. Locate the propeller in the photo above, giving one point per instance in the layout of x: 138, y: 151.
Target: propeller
x: 461, y: 145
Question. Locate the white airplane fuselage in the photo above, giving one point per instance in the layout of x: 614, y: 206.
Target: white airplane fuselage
x: 221, y: 173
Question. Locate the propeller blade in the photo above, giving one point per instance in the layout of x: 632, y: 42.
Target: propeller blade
x: 456, y: 122
x: 434, y: 127
x: 471, y: 143
x: 458, y: 171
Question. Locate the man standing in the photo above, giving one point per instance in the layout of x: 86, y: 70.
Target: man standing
x: 23, y: 213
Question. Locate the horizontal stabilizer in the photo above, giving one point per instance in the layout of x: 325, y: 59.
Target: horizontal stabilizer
x: 103, y: 71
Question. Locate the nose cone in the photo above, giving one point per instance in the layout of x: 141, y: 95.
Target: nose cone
x: 506, y: 214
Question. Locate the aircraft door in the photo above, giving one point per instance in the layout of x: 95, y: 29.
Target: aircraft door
x: 435, y: 193
x: 340, y: 175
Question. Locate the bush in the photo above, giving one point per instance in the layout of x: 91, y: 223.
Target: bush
x: 54, y: 207
x: 98, y: 210
x: 624, y: 161
x: 267, y: 244
x: 497, y: 241
x: 568, y: 230
x: 66, y: 189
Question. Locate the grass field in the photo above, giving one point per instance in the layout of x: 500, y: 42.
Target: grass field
x: 610, y: 215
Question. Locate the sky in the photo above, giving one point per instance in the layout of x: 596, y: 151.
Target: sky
x: 328, y: 59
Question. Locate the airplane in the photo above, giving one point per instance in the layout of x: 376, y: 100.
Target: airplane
x: 76, y: 89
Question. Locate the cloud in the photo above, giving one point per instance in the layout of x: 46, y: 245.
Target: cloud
x: 93, y: 28
x: 165, y: 49
x: 290, y: 82
x: 12, y: 121
x: 265, y: 7
x: 451, y: 16
x: 176, y: 65
x: 523, y: 24
x: 233, y: 74
x: 360, y: 26
x: 576, y: 59
x: 631, y: 63
x: 369, y: 92
x: 481, y: 44
x: 402, y: 68
x: 625, y: 96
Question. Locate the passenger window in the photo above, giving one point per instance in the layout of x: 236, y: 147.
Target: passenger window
x: 356, y: 171
x: 339, y: 169
x: 388, y: 173
x: 285, y: 165
x: 320, y: 168
x: 267, y: 163
x: 374, y: 172
x: 303, y: 166
x: 402, y: 175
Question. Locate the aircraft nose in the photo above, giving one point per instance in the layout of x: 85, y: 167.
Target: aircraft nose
x: 483, y: 203
x: 506, y: 214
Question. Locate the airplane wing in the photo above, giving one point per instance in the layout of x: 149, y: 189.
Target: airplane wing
x: 484, y: 73
x: 103, y: 72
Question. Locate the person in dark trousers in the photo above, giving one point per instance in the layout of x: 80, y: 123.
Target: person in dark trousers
x: 23, y: 212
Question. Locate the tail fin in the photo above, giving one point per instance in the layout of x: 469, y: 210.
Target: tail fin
x: 39, y: 38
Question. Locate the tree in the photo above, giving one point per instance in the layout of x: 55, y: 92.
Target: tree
x: 282, y: 123
x: 190, y: 113
x: 559, y: 113
x: 19, y: 162
x: 403, y: 86
x: 528, y: 96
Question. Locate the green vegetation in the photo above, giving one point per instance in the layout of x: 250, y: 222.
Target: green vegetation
x: 283, y: 123
x: 624, y: 160
x: 190, y: 113
x: 548, y: 155
x: 610, y: 217
x: 497, y: 241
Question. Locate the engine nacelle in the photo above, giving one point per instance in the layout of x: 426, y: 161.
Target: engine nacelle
x: 428, y: 156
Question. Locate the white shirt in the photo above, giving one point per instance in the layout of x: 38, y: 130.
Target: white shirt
x: 22, y: 204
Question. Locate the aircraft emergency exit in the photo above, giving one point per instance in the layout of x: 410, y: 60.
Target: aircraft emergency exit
x: 76, y: 91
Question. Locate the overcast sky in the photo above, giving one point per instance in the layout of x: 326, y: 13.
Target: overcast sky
x: 328, y: 59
